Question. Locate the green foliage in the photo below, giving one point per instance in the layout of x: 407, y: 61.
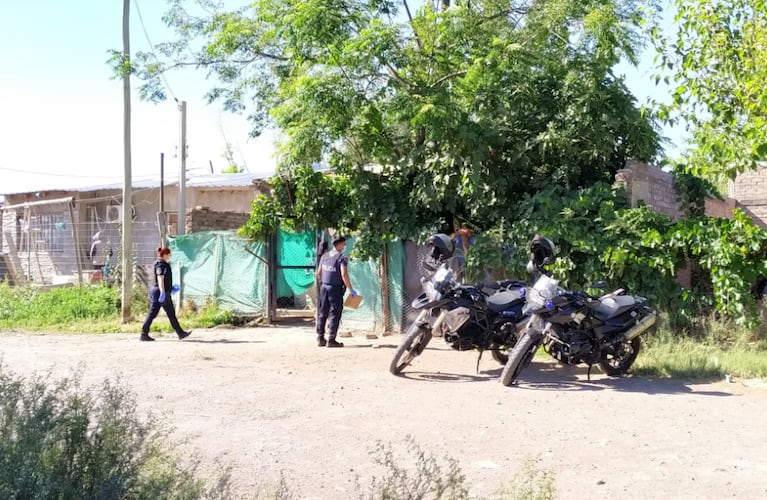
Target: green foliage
x: 210, y: 314
x: 530, y: 483
x: 61, y: 440
x: 22, y: 306
x: 426, y: 478
x: 599, y: 238
x: 717, y: 64
x: 456, y: 112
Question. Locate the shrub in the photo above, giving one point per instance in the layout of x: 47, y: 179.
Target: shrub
x: 60, y: 440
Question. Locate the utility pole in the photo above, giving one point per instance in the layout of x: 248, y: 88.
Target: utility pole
x: 182, y: 173
x: 127, y: 212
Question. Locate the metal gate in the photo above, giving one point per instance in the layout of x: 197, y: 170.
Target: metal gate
x: 291, y: 274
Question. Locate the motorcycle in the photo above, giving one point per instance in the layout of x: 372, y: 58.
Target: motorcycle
x: 467, y: 316
x: 575, y: 327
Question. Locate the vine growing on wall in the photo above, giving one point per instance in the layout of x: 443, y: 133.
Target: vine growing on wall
x: 599, y: 238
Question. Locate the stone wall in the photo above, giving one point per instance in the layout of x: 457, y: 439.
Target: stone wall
x: 204, y: 219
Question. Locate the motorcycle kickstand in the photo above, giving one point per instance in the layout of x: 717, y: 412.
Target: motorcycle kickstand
x: 478, y: 360
x: 588, y: 373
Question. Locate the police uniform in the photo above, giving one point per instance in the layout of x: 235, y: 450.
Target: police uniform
x: 162, y: 271
x: 331, y: 296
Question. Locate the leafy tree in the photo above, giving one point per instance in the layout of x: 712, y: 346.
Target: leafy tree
x: 424, y: 112
x: 718, y: 63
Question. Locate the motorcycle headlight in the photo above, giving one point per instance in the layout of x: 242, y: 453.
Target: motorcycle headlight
x: 442, y: 279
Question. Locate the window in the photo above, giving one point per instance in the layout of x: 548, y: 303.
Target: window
x: 48, y: 232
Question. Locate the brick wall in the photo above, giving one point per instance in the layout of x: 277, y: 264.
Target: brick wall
x: 650, y: 186
x: 655, y: 188
x: 750, y: 189
x: 205, y: 219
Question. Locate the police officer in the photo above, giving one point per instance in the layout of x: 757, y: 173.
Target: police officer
x: 159, y: 296
x: 334, y: 280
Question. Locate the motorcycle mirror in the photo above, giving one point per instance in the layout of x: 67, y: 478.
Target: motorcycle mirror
x: 599, y: 284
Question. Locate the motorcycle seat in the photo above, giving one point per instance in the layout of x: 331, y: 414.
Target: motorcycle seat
x: 504, y: 300
x: 613, y: 306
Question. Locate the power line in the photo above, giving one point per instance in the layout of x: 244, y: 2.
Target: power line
x: 151, y: 49
x: 51, y: 174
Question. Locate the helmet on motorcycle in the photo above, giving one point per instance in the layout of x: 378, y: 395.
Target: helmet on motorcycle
x: 443, y: 246
x: 542, y: 251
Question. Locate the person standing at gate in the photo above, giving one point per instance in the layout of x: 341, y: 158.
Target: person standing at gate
x: 159, y: 296
x: 333, y: 277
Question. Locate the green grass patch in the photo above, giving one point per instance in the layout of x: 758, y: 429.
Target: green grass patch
x: 93, y: 309
x: 724, y: 350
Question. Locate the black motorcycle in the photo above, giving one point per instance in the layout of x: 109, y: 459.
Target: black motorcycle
x: 467, y: 316
x: 576, y: 327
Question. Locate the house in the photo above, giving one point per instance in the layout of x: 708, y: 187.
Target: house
x: 57, y: 234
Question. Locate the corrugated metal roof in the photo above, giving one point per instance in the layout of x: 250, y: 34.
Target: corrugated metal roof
x: 36, y: 185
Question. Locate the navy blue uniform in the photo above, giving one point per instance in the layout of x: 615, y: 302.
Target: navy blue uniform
x: 332, y: 289
x: 163, y: 272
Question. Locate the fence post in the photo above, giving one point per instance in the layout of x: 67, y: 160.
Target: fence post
x: 386, y: 306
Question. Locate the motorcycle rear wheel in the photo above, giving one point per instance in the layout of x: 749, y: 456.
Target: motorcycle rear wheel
x: 616, y: 366
x: 520, y: 357
x: 415, y: 341
x: 501, y: 355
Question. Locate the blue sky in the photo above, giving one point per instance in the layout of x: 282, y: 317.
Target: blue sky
x: 61, y: 114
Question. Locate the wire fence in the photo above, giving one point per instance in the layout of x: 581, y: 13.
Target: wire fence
x: 44, y: 247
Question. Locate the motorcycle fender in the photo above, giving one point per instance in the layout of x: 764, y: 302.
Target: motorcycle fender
x: 420, y: 301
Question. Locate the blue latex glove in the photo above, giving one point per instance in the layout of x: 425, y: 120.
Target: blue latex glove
x: 353, y: 292
x: 175, y: 288
x: 162, y: 297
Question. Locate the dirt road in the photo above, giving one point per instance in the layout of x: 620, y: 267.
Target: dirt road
x: 268, y: 401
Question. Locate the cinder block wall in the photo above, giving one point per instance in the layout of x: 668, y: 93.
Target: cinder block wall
x: 205, y: 219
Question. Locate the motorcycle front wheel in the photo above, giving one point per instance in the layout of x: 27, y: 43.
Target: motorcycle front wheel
x: 520, y: 357
x: 412, y: 345
x: 616, y: 365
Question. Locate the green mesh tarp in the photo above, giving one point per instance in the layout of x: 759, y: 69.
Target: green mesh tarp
x: 395, y: 267
x: 294, y: 250
x: 366, y: 279
x: 219, y: 265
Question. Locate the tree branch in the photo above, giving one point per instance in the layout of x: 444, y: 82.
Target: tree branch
x: 447, y: 77
x: 410, y: 17
x: 394, y: 74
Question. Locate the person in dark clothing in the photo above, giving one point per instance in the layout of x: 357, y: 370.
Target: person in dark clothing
x: 333, y: 277
x: 159, y: 296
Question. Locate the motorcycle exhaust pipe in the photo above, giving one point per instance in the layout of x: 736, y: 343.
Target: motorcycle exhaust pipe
x: 642, y: 326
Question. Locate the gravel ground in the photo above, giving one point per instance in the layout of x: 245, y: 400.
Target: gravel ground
x: 268, y: 401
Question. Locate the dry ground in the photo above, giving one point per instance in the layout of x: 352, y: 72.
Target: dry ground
x: 268, y: 401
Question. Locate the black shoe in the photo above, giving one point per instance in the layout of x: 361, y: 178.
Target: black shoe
x: 321, y: 341
x: 333, y: 343
x: 146, y: 338
x: 184, y: 334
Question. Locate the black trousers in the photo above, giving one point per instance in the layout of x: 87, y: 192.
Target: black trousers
x: 329, y: 307
x: 154, y: 308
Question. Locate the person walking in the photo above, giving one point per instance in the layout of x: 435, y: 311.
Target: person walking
x: 159, y: 296
x: 333, y: 277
